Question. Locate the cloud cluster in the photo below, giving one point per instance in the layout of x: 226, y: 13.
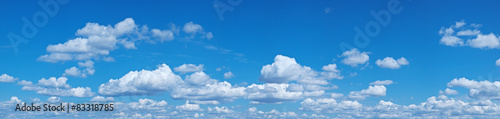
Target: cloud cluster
x: 475, y: 38
x: 142, y: 82
x: 376, y: 90
x: 7, y: 79
x: 56, y: 87
x: 478, y: 89
x: 354, y: 57
x: 96, y: 41
x: 391, y: 63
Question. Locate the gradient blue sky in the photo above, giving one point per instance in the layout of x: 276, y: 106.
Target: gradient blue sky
x: 253, y: 34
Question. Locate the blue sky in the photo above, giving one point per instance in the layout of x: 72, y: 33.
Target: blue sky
x: 286, y: 56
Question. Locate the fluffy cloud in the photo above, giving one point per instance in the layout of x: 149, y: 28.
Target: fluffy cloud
x: 328, y: 105
x: 148, y: 104
x: 186, y: 68
x: 188, y: 107
x: 384, y: 82
x: 217, y: 109
x: 102, y: 99
x: 163, y: 35
x: 53, y: 99
x: 7, y: 79
x: 56, y: 87
x: 448, y: 91
x: 478, y: 40
x: 228, y: 75
x: 96, y: 41
x: 192, y: 28
x: 286, y: 69
x: 336, y: 95
x: 354, y: 57
x: 389, y: 62
x: 376, y: 90
x: 53, y: 82
x: 271, y: 93
x: 498, y: 62
x: 210, y: 93
x: 478, y: 89
x: 142, y: 82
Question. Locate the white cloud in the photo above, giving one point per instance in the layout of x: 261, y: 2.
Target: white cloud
x: 217, y: 109
x: 452, y: 41
x: 102, y: 99
x: 53, y: 99
x: 478, y: 40
x: 191, y: 27
x: 271, y: 93
x: 354, y: 57
x: 215, y: 91
x: 479, y: 90
x: 448, y: 91
x: 328, y: 105
x: 285, y: 69
x: 384, y: 82
x: 376, y: 90
x: 498, y: 62
x: 389, y: 62
x: 488, y: 41
x: 53, y: 82
x: 188, y: 107
x: 228, y: 75
x: 186, y: 68
x: 7, y: 79
x: 336, y: 95
x: 199, y: 79
x: 148, y: 104
x: 163, y: 35
x: 142, y: 82
x: 96, y: 41
x: 468, y: 32
x: 73, y: 71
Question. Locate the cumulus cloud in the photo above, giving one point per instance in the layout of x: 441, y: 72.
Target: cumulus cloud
x: 476, y: 38
x: 328, y: 105
x: 389, y: 62
x: 271, y: 93
x: 7, y: 79
x: 102, y: 99
x: 286, y: 69
x: 228, y: 75
x: 142, y: 82
x: 498, y: 62
x: 148, y: 104
x: 192, y: 28
x: 478, y: 89
x: 448, y: 91
x: 186, y: 68
x: 217, y: 109
x: 53, y: 99
x: 384, y: 82
x: 211, y: 93
x: 354, y: 57
x: 188, y: 107
x: 376, y: 90
x: 56, y: 87
x: 336, y: 95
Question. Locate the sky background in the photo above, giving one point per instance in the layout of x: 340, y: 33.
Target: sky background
x: 247, y: 38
